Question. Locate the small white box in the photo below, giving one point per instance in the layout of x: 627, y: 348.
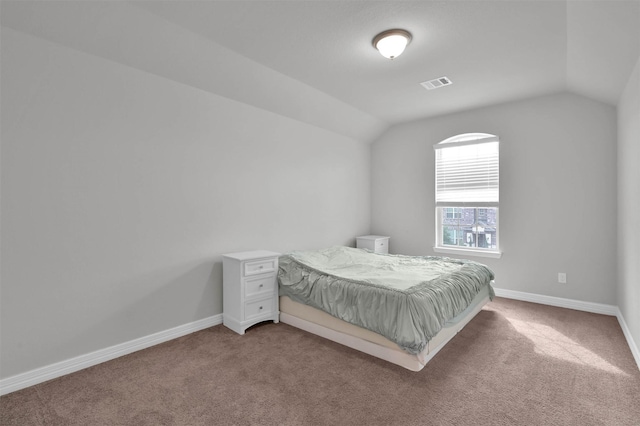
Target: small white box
x: 375, y: 243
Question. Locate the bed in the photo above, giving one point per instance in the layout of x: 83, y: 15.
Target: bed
x: 402, y: 309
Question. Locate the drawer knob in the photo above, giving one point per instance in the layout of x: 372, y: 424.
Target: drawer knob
x: 260, y: 307
x: 261, y: 285
x: 261, y: 266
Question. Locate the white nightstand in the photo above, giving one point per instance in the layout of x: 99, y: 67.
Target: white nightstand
x: 250, y: 289
x: 375, y: 243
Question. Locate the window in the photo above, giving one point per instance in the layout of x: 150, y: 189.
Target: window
x: 467, y: 194
x: 451, y: 213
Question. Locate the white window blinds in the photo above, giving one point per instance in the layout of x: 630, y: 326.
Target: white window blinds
x: 467, y: 173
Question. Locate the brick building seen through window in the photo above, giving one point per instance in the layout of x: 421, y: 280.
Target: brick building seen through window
x: 469, y: 227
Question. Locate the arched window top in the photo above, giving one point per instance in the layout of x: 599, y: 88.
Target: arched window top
x: 467, y: 169
x: 470, y: 137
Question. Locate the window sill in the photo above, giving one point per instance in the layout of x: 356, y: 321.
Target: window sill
x: 468, y: 252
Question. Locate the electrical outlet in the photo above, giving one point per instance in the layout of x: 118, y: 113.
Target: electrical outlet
x: 562, y: 277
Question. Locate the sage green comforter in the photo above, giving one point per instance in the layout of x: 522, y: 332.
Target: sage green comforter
x: 407, y: 299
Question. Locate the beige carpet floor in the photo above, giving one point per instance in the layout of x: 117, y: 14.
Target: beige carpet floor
x: 516, y: 363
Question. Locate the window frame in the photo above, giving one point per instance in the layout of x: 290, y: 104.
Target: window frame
x: 442, y: 206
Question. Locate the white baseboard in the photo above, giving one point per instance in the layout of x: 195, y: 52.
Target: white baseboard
x: 579, y: 305
x: 42, y: 374
x: 627, y: 335
x: 597, y: 308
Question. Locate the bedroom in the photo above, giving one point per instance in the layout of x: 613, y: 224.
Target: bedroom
x: 136, y: 151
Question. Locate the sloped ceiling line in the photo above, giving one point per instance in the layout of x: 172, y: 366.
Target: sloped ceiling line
x: 131, y: 36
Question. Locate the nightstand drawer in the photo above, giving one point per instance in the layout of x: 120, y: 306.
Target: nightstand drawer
x: 258, y: 308
x: 260, y: 267
x: 382, y: 246
x: 260, y: 285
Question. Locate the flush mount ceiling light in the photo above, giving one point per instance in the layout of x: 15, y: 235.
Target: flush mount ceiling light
x: 391, y: 43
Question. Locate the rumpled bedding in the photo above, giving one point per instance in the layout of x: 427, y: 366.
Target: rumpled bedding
x: 407, y: 299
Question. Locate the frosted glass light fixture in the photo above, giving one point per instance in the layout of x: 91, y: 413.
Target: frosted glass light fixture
x: 391, y: 43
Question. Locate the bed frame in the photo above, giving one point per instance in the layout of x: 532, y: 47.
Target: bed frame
x: 334, y: 329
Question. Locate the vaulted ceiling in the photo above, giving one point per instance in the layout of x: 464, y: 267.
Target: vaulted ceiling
x: 285, y: 55
x: 493, y: 51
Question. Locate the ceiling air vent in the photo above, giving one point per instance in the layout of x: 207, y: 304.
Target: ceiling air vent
x: 436, y: 83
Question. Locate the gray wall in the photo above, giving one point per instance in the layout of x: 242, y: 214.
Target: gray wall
x: 557, y: 192
x: 121, y: 189
x: 629, y: 204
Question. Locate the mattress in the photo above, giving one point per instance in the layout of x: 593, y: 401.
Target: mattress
x: 405, y: 299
